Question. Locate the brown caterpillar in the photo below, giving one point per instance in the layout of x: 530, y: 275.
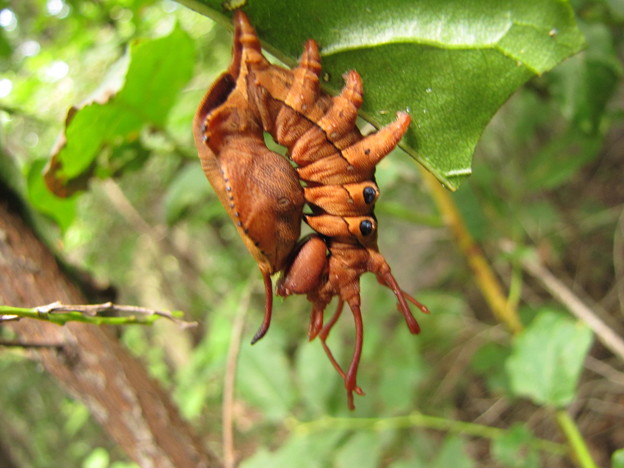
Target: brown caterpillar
x: 334, y: 175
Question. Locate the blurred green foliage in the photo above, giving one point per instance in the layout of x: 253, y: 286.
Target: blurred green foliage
x: 545, y: 175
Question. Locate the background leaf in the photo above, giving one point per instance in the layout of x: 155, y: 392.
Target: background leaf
x: 547, y: 359
x: 618, y: 459
x: 186, y: 190
x: 362, y: 450
x: 315, y: 377
x: 157, y: 71
x: 452, y: 453
x: 61, y: 210
x: 318, y: 447
x: 263, y: 378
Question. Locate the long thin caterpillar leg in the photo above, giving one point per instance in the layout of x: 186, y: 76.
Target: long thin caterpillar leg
x: 350, y: 379
x: 342, y: 374
x: 316, y: 323
x: 423, y: 308
x: 323, y: 337
x: 268, y: 308
x: 324, y: 333
x: 388, y: 280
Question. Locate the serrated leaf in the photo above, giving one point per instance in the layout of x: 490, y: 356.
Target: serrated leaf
x: 452, y: 63
x: 547, y: 359
x: 157, y: 71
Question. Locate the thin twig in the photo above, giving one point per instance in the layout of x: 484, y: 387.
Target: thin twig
x: 105, y: 313
x: 25, y: 345
x: 573, y: 303
x: 229, y: 380
x: 604, y: 370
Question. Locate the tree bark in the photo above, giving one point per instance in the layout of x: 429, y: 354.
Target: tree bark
x: 89, y: 361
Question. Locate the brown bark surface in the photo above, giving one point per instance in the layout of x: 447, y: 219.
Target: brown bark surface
x: 91, y: 363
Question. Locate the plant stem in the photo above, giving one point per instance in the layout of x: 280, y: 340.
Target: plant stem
x: 484, y: 276
x: 90, y: 313
x: 229, y: 380
x: 575, y: 440
x: 420, y: 420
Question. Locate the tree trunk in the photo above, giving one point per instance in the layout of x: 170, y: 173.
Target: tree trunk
x: 90, y: 362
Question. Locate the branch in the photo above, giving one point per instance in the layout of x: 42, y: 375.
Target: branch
x: 419, y: 420
x: 97, y: 314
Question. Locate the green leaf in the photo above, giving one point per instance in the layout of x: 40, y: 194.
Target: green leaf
x: 317, y: 449
x: 582, y: 87
x: 157, y: 71
x: 513, y: 450
x: 188, y: 188
x: 561, y: 158
x: 98, y: 458
x: 61, y: 210
x: 452, y: 453
x: 584, y: 84
x: 488, y: 362
x: 363, y: 450
x: 547, y: 359
x: 617, y: 459
x: 451, y: 63
x: 401, y: 369
x: 318, y: 381
x: 5, y: 49
x: 264, y: 378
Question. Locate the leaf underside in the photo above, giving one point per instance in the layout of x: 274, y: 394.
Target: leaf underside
x: 451, y: 64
